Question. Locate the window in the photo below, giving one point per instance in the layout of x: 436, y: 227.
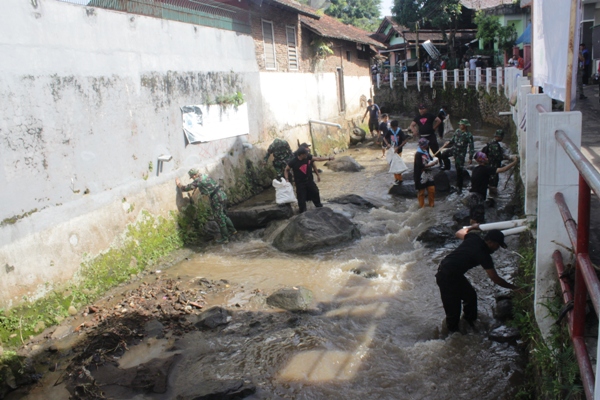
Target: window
x: 348, y: 56
x: 269, y: 42
x: 290, y: 33
x: 341, y: 95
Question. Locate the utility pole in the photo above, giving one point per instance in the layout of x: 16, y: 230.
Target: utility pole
x: 418, y: 56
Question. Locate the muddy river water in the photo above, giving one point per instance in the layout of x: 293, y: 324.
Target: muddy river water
x: 367, y: 338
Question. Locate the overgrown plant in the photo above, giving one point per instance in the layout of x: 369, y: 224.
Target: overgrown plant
x: 144, y: 242
x: 552, y: 371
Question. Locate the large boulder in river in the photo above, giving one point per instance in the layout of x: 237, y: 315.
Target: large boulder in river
x: 435, y: 236
x: 406, y: 189
x: 259, y: 216
x: 354, y: 199
x: 344, y: 164
x: 315, y: 229
x: 442, y: 182
x: 357, y: 135
x: 291, y: 299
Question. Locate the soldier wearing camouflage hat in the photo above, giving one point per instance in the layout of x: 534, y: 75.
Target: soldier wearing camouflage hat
x: 218, y: 200
x: 495, y: 155
x: 282, y: 152
x: 462, y: 140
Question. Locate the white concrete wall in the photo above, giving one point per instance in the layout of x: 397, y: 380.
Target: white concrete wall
x: 557, y: 173
x: 90, y: 98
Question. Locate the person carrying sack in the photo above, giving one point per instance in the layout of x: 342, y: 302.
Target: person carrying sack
x: 423, y: 176
x: 396, y: 139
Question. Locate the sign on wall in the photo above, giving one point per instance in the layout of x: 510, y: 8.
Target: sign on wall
x: 203, y: 123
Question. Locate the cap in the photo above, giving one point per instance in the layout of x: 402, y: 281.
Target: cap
x: 369, y: 101
x: 193, y: 172
x: 305, y: 145
x: 480, y: 156
x: 302, y: 150
x: 422, y: 106
x: 465, y: 122
x: 499, y: 133
x: 423, y: 142
x: 497, y: 236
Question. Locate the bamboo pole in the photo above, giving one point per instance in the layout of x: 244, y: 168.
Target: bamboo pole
x: 571, y: 53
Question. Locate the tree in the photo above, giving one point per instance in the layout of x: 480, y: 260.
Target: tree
x: 363, y: 14
x: 445, y: 15
x: 489, y: 31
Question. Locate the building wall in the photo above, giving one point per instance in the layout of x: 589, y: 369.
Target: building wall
x: 280, y: 18
x: 89, y: 106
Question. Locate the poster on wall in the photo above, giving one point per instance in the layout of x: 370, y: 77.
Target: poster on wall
x: 203, y: 123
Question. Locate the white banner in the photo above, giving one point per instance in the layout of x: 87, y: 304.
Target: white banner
x: 550, y: 39
x: 206, y: 123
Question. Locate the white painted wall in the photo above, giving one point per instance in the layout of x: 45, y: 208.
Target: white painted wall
x: 90, y: 97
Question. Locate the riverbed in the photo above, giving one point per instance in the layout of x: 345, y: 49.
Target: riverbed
x: 365, y: 337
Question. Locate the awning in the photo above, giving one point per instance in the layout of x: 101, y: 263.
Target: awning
x: 525, y: 37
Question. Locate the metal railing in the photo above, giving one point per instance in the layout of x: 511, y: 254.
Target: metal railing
x: 206, y: 12
x: 480, y: 78
x: 586, y: 280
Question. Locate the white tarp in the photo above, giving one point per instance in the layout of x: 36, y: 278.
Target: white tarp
x: 550, y: 38
x: 206, y: 123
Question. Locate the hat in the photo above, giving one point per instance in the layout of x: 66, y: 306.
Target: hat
x: 465, y: 122
x: 423, y: 142
x: 499, y: 133
x: 369, y: 101
x: 497, y: 236
x: 193, y: 172
x: 302, y: 150
x: 305, y: 145
x: 480, y: 156
x: 422, y: 106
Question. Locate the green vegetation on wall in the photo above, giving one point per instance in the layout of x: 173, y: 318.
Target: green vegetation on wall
x: 249, y: 182
x: 478, y: 106
x: 144, y: 242
x: 552, y: 371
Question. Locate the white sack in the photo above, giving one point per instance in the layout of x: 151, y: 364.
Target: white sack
x: 389, y: 154
x: 284, y: 192
x: 397, y: 166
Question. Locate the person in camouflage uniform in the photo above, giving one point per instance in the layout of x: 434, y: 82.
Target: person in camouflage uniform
x: 495, y: 155
x: 281, y: 154
x: 218, y: 200
x: 462, y: 140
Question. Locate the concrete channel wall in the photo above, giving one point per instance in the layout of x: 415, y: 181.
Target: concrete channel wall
x: 91, y: 98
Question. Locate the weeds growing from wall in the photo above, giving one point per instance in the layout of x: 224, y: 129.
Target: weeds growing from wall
x: 144, y: 242
x: 552, y: 371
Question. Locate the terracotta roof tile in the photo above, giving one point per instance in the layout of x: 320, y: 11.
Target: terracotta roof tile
x: 330, y: 27
x: 301, y: 8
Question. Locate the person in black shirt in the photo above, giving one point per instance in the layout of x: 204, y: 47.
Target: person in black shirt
x: 383, y: 132
x: 396, y: 138
x: 480, y: 179
x: 424, y: 125
x: 306, y: 188
x: 373, y: 111
x: 455, y: 288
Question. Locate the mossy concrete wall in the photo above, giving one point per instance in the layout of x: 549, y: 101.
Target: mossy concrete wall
x: 478, y: 106
x: 89, y: 106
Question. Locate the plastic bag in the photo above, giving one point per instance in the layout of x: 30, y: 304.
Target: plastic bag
x: 284, y: 192
x: 389, y: 154
x: 448, y: 128
x: 397, y: 166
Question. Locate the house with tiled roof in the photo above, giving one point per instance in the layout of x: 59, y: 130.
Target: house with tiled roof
x: 401, y: 43
x: 311, y: 67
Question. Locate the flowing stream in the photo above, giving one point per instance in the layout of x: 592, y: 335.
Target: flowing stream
x: 376, y: 337
x: 367, y: 338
